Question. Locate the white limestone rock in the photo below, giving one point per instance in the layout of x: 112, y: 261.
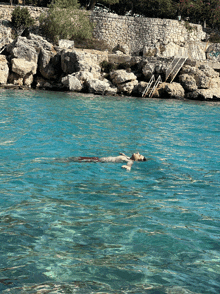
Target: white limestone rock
x: 66, y: 44
x: 4, y: 69
x: 23, y: 67
x: 122, y: 76
x: 101, y: 87
x: 72, y: 83
x: 188, y: 82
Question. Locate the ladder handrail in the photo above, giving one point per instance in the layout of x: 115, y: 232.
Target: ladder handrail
x: 181, y: 65
x: 170, y: 68
x: 152, y: 79
x: 158, y: 81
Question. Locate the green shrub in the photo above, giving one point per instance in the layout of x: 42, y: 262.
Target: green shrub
x: 21, y: 18
x: 92, y: 44
x: 65, y: 23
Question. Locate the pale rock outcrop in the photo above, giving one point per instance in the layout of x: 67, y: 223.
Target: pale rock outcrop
x: 122, y: 76
x: 123, y: 48
x: 188, y: 82
x: 101, y: 87
x: 28, y: 80
x: 82, y: 60
x: 125, y: 81
x: 23, y: 67
x: 72, y: 83
x: 23, y: 48
x: 173, y: 90
x: 128, y: 87
x: 147, y: 71
x: 204, y: 94
x: 4, y: 69
x: 66, y: 44
x: 49, y: 64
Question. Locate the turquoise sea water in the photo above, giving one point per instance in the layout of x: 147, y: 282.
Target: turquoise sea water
x: 68, y: 227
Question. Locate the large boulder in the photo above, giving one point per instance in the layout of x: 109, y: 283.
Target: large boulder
x: 188, y: 82
x: 23, y: 48
x: 173, y: 90
x: 49, y: 64
x: 4, y: 69
x: 125, y: 81
x: 82, y: 60
x: 122, y: 76
x: 23, y: 67
x: 204, y: 94
x: 72, y: 83
x: 101, y: 87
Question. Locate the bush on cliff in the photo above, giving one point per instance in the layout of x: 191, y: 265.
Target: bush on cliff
x: 65, y: 21
x: 21, y: 19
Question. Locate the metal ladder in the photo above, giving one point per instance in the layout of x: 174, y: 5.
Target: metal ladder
x: 174, y: 68
x: 147, y: 89
x: 151, y: 89
x: 156, y: 84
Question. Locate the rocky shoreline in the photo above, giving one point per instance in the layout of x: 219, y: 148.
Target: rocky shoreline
x: 32, y: 62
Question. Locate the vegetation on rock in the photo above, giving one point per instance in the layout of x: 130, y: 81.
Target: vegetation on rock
x: 65, y: 21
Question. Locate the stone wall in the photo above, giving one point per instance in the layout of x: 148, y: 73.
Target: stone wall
x: 153, y: 36
x: 6, y: 11
x: 138, y: 32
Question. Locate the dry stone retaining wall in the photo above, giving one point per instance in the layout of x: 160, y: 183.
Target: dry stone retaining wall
x: 161, y: 37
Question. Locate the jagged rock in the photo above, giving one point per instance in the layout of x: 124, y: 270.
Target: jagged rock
x: 139, y: 88
x: 4, y: 69
x: 79, y: 60
x: 28, y: 80
x: 122, y: 76
x: 125, y: 81
x: 66, y: 44
x: 29, y: 48
x: 188, y: 82
x: 84, y: 76
x: 23, y: 67
x: 49, y: 64
x: 23, y: 49
x: 72, y: 83
x: 173, y: 90
x: 204, y: 94
x: 150, y: 51
x: 147, y: 71
x: 15, y: 79
x: 208, y: 71
x: 123, y: 48
x: 128, y: 87
x: 100, y: 87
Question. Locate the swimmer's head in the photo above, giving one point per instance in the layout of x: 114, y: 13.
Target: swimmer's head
x: 138, y: 157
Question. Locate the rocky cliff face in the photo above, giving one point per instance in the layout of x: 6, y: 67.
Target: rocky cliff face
x: 34, y: 62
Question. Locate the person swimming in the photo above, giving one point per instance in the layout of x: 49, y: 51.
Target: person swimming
x: 121, y: 158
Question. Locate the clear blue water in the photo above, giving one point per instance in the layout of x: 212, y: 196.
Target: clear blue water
x: 68, y: 227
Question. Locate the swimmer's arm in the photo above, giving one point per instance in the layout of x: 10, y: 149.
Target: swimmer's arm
x: 129, y: 165
x: 127, y: 158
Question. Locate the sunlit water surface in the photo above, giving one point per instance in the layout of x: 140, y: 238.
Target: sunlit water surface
x: 68, y: 227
